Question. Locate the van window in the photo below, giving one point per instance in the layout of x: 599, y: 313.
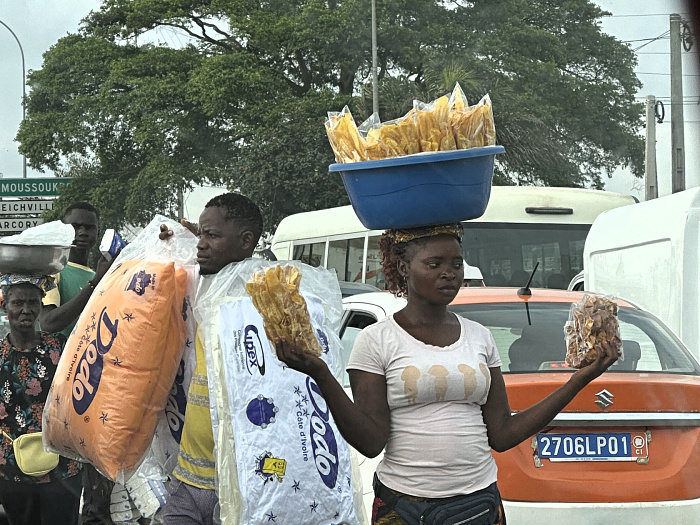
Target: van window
x: 507, y: 253
x: 375, y: 276
x: 345, y: 257
x: 311, y: 254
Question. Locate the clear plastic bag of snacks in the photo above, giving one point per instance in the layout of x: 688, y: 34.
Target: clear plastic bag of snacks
x: 592, y: 323
x: 433, y: 124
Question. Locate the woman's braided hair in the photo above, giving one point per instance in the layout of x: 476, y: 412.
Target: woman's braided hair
x: 394, y: 245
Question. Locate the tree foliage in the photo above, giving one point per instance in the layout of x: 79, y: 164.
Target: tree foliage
x: 242, y: 99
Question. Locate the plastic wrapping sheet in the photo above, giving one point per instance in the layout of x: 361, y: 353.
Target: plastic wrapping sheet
x: 289, y: 463
x: 54, y: 233
x: 166, y: 441
x: 117, y: 370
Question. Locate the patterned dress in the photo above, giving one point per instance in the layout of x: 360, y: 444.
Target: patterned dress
x: 25, y: 380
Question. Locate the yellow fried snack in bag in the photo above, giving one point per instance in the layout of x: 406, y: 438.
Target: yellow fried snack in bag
x: 592, y: 323
x: 433, y: 125
x: 345, y: 139
x: 458, y: 100
x: 473, y: 127
x: 369, y: 131
x: 400, y: 136
x: 275, y: 294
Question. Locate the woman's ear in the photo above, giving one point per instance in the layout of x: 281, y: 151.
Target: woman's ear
x: 402, y: 267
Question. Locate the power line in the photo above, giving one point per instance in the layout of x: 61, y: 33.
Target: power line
x: 666, y: 74
x: 652, y: 14
x: 664, y: 35
x: 647, y: 39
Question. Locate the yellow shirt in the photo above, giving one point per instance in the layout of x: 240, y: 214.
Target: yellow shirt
x: 195, y: 464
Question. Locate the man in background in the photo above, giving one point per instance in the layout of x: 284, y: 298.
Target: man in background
x: 62, y: 307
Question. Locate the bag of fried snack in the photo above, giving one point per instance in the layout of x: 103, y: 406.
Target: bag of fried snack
x: 369, y: 131
x: 400, y: 136
x: 592, y: 323
x: 345, y: 139
x: 275, y: 294
x: 433, y: 123
x: 473, y: 127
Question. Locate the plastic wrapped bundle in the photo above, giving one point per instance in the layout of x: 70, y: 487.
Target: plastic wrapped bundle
x: 117, y: 370
x: 592, y: 323
x: 278, y: 451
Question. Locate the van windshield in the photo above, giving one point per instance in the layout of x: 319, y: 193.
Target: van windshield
x: 506, y: 253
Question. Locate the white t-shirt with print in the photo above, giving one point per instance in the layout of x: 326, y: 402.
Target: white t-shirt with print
x: 437, y: 444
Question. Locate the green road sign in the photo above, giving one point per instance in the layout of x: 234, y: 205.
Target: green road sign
x: 32, y: 187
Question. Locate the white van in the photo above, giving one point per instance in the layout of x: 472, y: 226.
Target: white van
x: 522, y: 225
x: 648, y: 253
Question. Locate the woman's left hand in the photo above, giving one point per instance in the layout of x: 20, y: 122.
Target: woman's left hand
x: 293, y: 355
x: 607, y: 355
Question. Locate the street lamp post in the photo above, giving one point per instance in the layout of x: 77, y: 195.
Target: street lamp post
x: 24, y: 111
x: 375, y: 80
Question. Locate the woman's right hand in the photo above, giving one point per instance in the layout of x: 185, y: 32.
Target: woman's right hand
x: 293, y: 355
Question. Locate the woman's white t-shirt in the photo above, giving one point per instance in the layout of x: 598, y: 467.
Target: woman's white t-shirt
x: 437, y: 444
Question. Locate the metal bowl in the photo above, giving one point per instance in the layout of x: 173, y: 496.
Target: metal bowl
x: 33, y: 259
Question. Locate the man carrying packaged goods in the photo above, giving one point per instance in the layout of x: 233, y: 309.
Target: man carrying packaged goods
x: 76, y: 282
x: 229, y: 229
x: 62, y: 307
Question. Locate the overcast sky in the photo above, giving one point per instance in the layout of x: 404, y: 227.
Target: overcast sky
x: 38, y: 24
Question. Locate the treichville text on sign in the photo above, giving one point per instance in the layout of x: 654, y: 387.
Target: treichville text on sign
x: 25, y: 207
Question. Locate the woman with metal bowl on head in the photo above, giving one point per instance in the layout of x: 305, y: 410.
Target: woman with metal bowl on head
x: 427, y: 385
x: 28, y: 360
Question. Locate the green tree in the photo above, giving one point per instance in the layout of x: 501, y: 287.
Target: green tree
x: 242, y: 100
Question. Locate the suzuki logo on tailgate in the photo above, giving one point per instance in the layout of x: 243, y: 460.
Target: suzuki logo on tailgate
x: 604, y: 399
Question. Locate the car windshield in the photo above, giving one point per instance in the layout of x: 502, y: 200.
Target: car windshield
x: 539, y: 346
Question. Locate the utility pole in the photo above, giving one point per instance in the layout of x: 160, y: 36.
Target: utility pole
x: 24, y: 91
x: 677, y: 123
x: 650, y: 180
x: 375, y: 80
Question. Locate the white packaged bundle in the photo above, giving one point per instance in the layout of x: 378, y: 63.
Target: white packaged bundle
x: 291, y: 464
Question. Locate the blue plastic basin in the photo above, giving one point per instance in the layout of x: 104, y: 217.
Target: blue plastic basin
x: 422, y: 189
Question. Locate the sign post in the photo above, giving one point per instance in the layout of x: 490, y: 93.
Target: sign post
x: 25, y: 207
x: 17, y: 225
x: 18, y: 214
x: 32, y: 187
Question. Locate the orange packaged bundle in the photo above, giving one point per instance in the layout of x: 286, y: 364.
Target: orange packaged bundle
x: 115, y: 374
x: 276, y: 296
x: 592, y: 323
x: 434, y: 128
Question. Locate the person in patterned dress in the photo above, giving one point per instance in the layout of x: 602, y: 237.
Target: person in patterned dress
x: 28, y: 361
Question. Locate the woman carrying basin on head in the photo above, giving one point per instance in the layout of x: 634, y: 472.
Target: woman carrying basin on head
x: 28, y: 361
x: 427, y: 385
